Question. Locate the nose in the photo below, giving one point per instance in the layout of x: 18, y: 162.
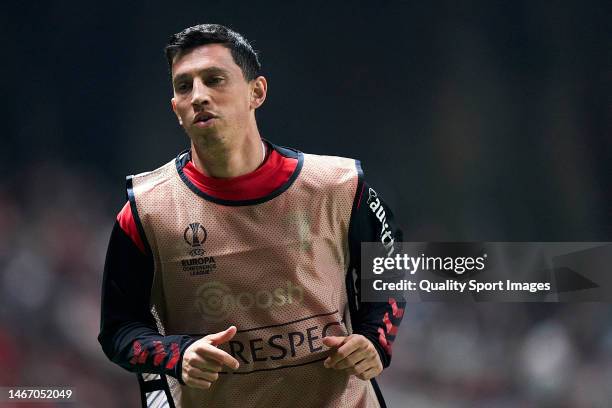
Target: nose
x: 199, y: 95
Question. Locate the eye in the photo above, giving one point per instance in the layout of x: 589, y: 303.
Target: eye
x: 216, y: 80
x: 182, y: 87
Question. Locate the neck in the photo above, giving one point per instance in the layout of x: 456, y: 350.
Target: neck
x: 226, y: 160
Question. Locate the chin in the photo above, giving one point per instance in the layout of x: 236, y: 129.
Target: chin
x: 206, y: 137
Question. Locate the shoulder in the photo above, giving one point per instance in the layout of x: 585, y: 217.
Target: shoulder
x: 332, y: 170
x: 150, y: 180
x: 331, y: 162
x: 125, y: 220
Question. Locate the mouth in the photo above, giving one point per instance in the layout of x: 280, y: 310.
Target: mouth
x: 203, y: 119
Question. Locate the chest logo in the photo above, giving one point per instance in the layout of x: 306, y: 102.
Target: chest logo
x: 216, y: 301
x: 195, y: 235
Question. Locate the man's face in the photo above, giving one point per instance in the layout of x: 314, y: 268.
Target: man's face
x: 212, y: 99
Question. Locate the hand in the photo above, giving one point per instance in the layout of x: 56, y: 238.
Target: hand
x: 202, y: 360
x: 355, y: 354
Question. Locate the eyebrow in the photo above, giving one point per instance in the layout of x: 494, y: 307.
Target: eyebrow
x: 207, y: 71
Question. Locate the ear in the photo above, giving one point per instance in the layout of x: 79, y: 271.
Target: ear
x: 173, y: 103
x: 259, y: 90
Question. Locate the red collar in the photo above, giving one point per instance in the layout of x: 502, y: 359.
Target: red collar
x: 271, y: 175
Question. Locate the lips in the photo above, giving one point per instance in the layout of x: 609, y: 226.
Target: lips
x: 203, y: 117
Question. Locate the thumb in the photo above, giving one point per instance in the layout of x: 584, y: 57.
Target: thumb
x: 221, y: 337
x: 333, y: 341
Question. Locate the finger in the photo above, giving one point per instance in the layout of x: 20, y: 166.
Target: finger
x: 351, y: 345
x: 198, y: 383
x: 203, y: 374
x: 333, y: 341
x: 352, y: 360
x: 222, y: 337
x: 362, y: 367
x: 206, y: 364
x: 211, y: 352
x: 368, y: 374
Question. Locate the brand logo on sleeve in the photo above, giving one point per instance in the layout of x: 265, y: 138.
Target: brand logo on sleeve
x: 386, y: 235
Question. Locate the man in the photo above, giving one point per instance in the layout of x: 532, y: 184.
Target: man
x: 232, y: 272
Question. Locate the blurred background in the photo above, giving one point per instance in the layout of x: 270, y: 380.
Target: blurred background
x: 491, y: 121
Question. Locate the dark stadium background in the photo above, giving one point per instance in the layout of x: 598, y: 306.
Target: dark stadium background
x: 484, y: 122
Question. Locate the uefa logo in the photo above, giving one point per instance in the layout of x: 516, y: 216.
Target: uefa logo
x: 195, y: 235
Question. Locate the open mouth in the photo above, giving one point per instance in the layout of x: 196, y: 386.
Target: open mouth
x: 203, y: 119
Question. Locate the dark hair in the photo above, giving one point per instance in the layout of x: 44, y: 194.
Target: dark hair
x: 243, y: 54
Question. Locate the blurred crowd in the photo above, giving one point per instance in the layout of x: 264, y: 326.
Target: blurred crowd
x: 502, y: 355
x: 53, y: 237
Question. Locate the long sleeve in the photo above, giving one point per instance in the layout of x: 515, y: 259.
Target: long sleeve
x: 128, y: 333
x: 372, y: 221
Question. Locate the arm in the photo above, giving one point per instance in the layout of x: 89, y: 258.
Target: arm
x: 375, y: 325
x: 128, y: 332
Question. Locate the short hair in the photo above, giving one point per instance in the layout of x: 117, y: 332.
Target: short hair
x: 242, y: 52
